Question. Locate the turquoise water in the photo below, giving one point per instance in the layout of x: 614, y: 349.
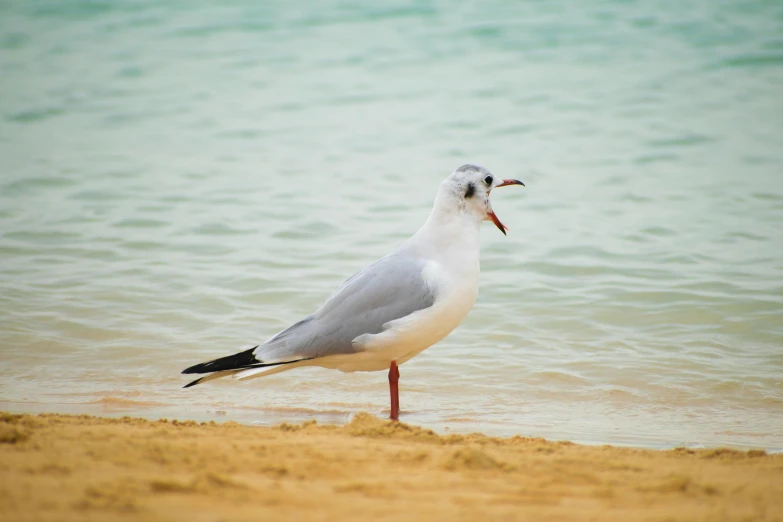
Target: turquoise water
x: 181, y: 180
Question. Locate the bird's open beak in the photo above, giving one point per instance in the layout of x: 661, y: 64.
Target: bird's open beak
x: 491, y: 214
x: 497, y: 222
x: 507, y: 182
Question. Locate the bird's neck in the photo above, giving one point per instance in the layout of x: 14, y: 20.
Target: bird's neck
x: 447, y: 232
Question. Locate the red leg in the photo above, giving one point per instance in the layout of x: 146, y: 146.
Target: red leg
x: 394, y: 377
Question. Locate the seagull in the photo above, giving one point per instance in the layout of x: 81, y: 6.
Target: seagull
x: 395, y: 308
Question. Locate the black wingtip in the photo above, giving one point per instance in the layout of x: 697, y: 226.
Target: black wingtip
x: 259, y: 365
x: 188, y: 385
x: 232, y: 362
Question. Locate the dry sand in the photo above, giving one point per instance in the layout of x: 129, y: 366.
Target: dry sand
x: 61, y: 467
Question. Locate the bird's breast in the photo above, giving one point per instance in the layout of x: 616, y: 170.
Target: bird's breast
x: 452, y: 273
x: 456, y: 293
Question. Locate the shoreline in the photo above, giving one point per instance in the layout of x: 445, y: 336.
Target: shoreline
x: 81, y: 467
x: 115, y: 407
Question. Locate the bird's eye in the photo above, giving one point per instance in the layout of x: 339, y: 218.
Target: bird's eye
x: 488, y: 180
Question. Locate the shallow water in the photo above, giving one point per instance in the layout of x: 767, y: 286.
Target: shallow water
x: 179, y: 181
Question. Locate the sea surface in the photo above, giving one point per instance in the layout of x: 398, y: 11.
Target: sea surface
x: 181, y: 180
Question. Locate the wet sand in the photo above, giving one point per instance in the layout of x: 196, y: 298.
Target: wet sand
x: 62, y: 467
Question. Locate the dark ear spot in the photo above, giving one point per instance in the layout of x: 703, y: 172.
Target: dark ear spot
x: 471, y: 190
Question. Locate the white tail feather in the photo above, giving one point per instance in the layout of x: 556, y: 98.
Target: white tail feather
x: 262, y: 372
x: 218, y: 375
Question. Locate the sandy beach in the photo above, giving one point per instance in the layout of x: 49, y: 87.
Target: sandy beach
x: 61, y: 467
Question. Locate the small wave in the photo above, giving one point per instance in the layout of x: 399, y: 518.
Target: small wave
x: 291, y: 410
x: 683, y: 141
x: 118, y: 402
x: 753, y: 60
x: 34, y: 115
x: 561, y: 378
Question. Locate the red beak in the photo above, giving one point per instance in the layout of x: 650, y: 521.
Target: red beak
x: 491, y: 214
x: 507, y: 182
x: 497, y: 222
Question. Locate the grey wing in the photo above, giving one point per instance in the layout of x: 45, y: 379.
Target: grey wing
x: 389, y: 289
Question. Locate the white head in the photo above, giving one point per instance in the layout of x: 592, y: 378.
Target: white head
x: 467, y: 190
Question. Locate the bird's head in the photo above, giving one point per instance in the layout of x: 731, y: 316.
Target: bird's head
x: 467, y: 191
